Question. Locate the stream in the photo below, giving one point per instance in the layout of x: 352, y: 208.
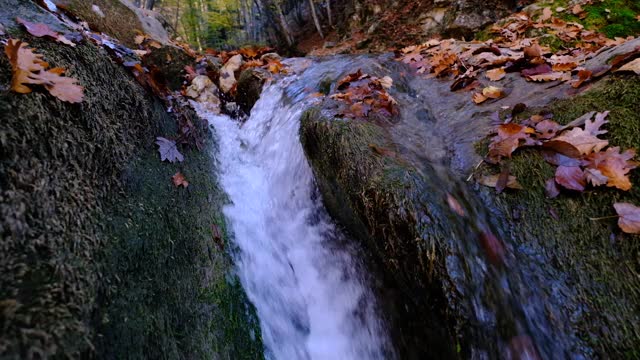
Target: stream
x: 298, y: 270
x: 308, y: 280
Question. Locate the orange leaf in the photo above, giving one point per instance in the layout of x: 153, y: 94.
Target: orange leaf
x: 179, y: 180
x: 496, y: 74
x: 29, y: 68
x: 614, y: 165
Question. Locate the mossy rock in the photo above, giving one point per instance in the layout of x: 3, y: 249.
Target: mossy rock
x: 598, y: 262
x: 77, y: 182
x: 170, y: 62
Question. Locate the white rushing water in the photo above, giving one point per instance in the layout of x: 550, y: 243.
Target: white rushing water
x: 296, y: 268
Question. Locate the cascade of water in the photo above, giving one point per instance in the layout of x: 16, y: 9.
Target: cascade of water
x: 297, y: 268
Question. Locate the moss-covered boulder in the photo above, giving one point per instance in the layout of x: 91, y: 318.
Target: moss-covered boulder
x: 94, y: 235
x: 483, y: 273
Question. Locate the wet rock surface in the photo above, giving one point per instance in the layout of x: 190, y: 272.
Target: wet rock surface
x: 399, y: 186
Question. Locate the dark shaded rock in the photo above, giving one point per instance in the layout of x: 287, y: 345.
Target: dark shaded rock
x: 88, y: 215
x: 250, y: 87
x: 170, y: 61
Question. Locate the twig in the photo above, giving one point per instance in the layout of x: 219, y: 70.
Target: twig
x: 474, y: 170
x: 604, y: 217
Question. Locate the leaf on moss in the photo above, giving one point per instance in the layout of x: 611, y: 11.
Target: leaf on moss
x: 168, y: 150
x: 571, y: 177
x: 29, y: 69
x: 629, y: 217
x: 179, y: 180
x: 614, y: 165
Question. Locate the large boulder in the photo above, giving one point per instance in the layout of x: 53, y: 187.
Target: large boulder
x: 101, y: 254
x: 249, y: 87
x: 485, y: 274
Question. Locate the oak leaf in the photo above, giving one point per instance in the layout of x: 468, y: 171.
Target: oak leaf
x: 629, y: 217
x: 510, y: 137
x: 614, y: 165
x: 168, y: 150
x: 29, y: 69
x: 492, y: 181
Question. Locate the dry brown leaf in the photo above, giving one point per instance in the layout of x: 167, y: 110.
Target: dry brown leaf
x: 492, y: 181
x: 571, y: 177
x: 29, y: 68
x: 179, y: 180
x: 478, y: 98
x: 493, y: 92
x: 510, y: 137
x: 552, y: 76
x: 37, y: 29
x: 496, y: 74
x: 631, y: 66
x: 614, y: 165
x: 584, y: 141
x: 629, y: 217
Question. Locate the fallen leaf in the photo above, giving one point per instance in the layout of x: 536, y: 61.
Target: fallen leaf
x: 386, y: 82
x: 551, y: 188
x: 552, y: 76
x: 595, y: 177
x: 570, y: 177
x: 582, y: 140
x: 614, y: 165
x: 492, y: 181
x: 510, y: 137
x: 168, y: 150
x: 37, y: 29
x: 633, y: 66
x: 493, y: 92
x: 583, y: 76
x: 179, y: 180
x: 629, y: 217
x: 478, y: 98
x: 29, y: 68
x: 496, y: 74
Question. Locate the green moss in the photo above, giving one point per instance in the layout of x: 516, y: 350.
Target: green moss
x: 611, y: 17
x: 171, y: 291
x: 601, y: 260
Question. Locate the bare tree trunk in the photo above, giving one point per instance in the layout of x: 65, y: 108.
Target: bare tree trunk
x: 149, y: 4
x: 329, y: 17
x: 315, y: 18
x: 177, y: 15
x: 283, y: 23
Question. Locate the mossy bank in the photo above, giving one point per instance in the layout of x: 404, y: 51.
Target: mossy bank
x: 101, y: 254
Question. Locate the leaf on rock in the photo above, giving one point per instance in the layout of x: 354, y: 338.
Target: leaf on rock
x: 496, y: 74
x: 37, y: 29
x: 478, y: 98
x: 629, y: 217
x: 179, y: 180
x: 168, y: 150
x: 614, y: 165
x: 493, y: 92
x: 632, y: 66
x: 386, y: 82
x: 572, y: 178
x: 29, y: 68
